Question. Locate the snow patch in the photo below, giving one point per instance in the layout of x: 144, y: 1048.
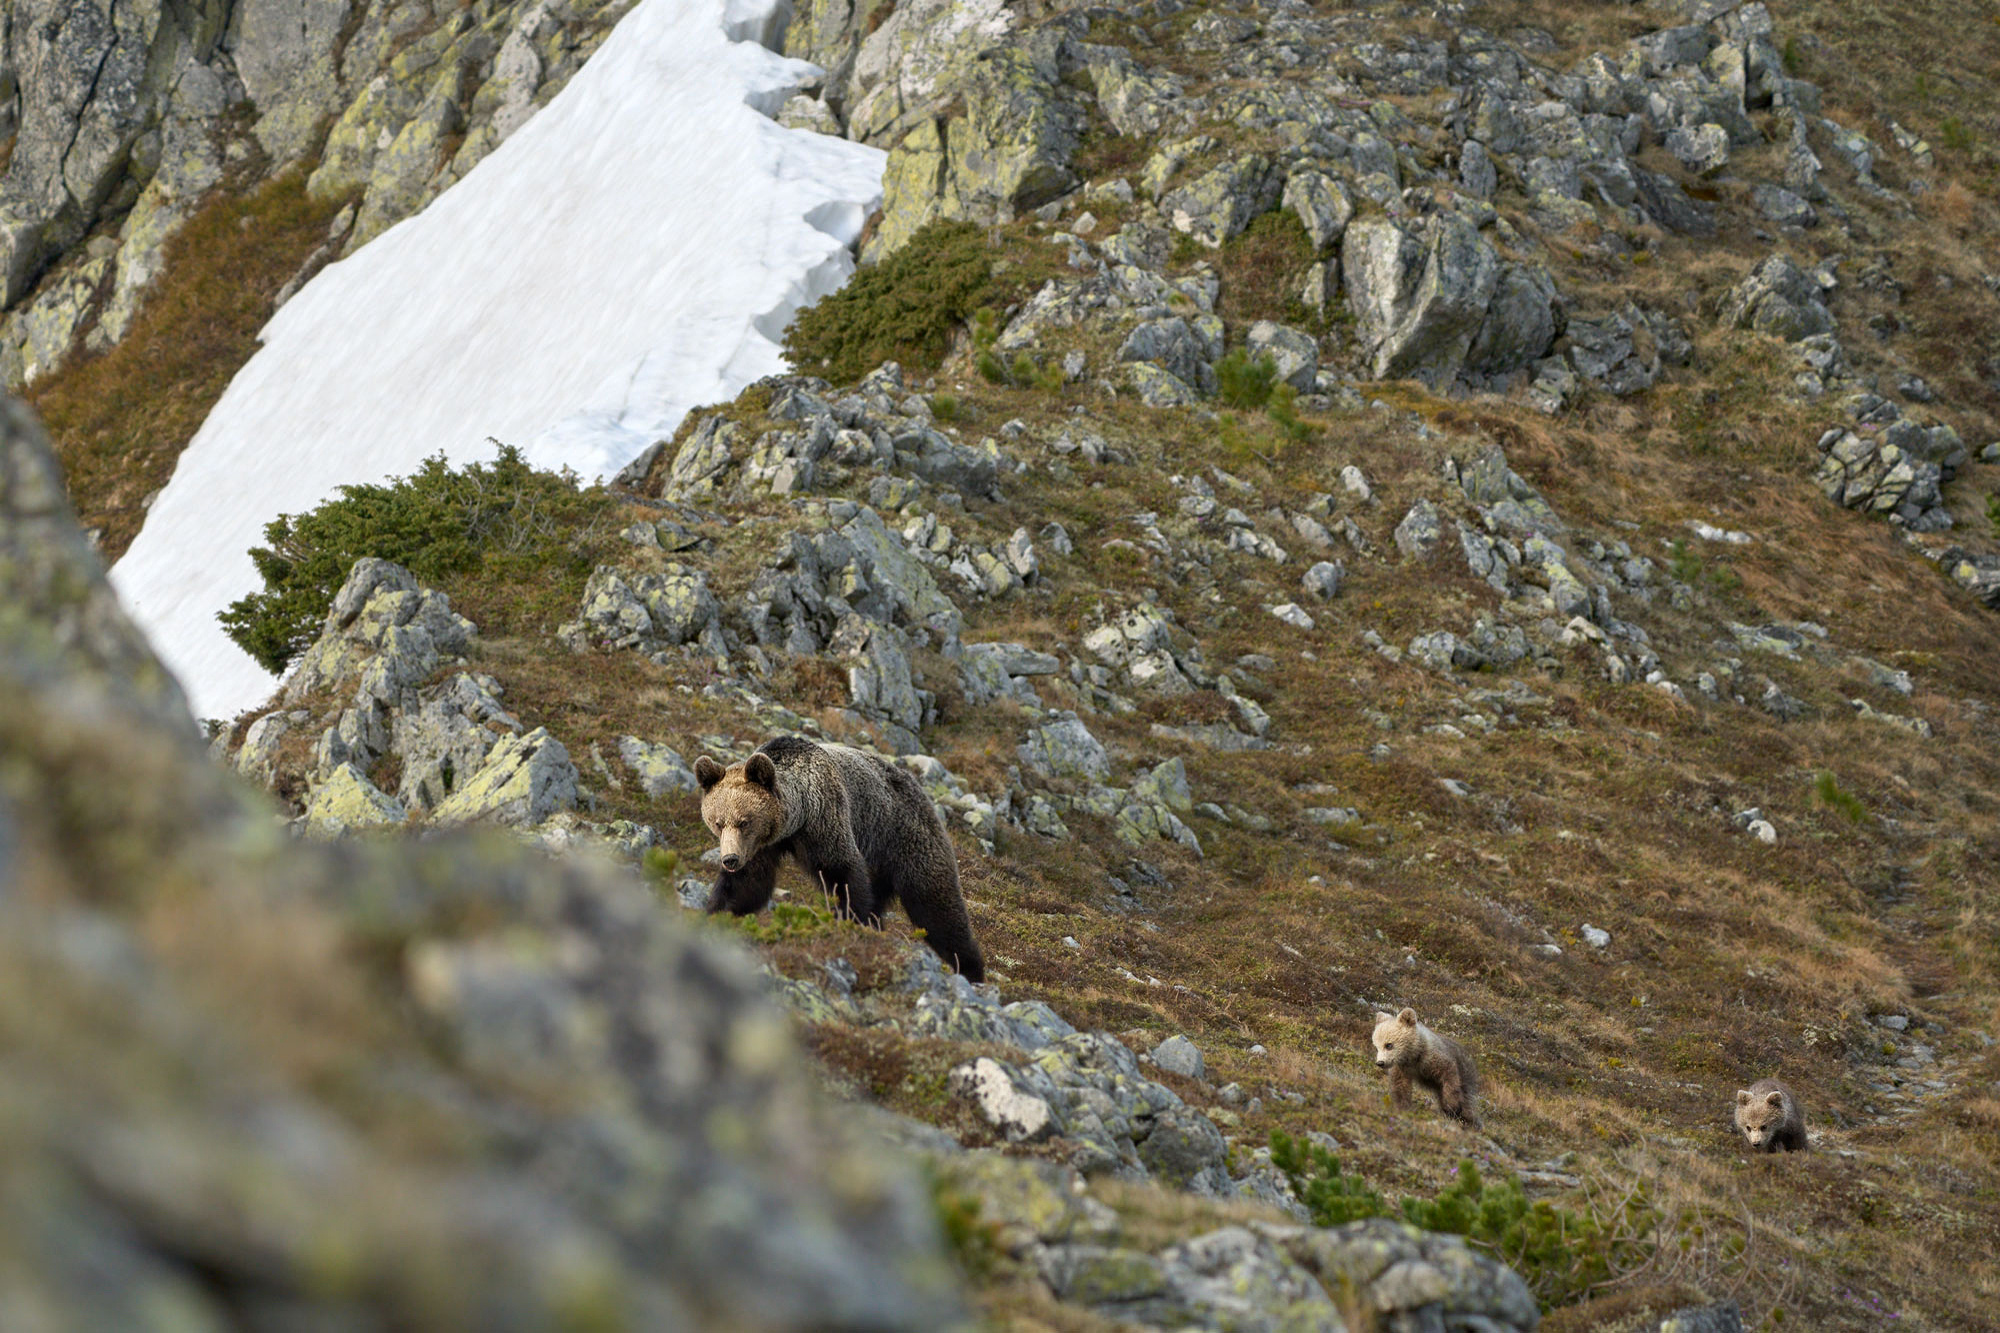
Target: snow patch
x: 633, y: 250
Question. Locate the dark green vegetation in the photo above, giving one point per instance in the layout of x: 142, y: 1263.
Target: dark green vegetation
x: 902, y: 309
x: 1564, y: 1253
x: 504, y: 515
x: 1331, y: 1198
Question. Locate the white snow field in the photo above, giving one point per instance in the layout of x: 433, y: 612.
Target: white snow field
x: 634, y: 250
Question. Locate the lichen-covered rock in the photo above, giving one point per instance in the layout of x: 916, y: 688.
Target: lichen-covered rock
x: 1063, y: 747
x: 1293, y: 352
x: 659, y: 768
x: 383, y: 634
x: 524, y: 780
x: 1323, y: 205
x: 1418, y: 294
x: 1418, y: 534
x: 1008, y: 149
x: 624, y: 610
x: 1412, y: 1278
x: 445, y: 738
x: 1779, y: 299
x: 347, y: 802
x: 1224, y: 200
x: 619, y: 1129
x: 1171, y: 345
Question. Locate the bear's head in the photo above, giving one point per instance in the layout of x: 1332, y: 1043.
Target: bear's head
x: 740, y: 806
x: 1758, y: 1116
x: 1396, y: 1040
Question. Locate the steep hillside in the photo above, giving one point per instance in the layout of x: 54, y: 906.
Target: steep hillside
x: 1486, y: 508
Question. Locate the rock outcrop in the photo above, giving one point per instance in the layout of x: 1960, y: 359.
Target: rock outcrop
x: 132, y: 113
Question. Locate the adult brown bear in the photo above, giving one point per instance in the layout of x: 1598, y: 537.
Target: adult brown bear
x: 856, y: 824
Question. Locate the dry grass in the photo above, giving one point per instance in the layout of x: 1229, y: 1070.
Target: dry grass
x: 119, y: 420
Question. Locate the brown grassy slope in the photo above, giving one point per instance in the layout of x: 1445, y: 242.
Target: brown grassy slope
x: 120, y: 419
x: 1607, y: 805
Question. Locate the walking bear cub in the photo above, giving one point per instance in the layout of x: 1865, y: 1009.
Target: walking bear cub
x: 856, y: 824
x: 1412, y: 1053
x: 1770, y: 1118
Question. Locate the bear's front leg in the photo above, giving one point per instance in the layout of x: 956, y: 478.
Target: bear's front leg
x: 837, y: 868
x: 1399, y: 1088
x: 853, y: 892
x: 742, y: 892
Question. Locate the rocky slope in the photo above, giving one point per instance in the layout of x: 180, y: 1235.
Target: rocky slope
x: 1591, y: 649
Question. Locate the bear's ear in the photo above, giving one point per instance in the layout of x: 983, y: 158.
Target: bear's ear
x: 1742, y: 1096
x: 1776, y: 1099
x: 707, y: 772
x: 1381, y: 1017
x: 760, y: 771
x: 1408, y: 1018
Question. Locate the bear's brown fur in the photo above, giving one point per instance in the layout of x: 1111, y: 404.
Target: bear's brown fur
x: 1412, y: 1053
x: 1770, y: 1117
x: 860, y: 827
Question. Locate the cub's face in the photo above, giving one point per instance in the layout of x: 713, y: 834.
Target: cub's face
x: 1395, y: 1038
x: 740, y: 806
x: 1757, y: 1117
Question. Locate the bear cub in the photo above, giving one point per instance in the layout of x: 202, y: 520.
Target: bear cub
x: 1412, y: 1053
x: 860, y: 827
x: 1770, y: 1117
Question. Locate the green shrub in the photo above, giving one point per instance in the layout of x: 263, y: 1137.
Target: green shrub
x: 1315, y: 1177
x: 1993, y: 512
x: 435, y: 522
x: 1955, y: 135
x: 1683, y: 563
x: 902, y: 309
x: 1843, y: 803
x: 1244, y: 383
x: 944, y: 407
x: 1561, y: 1253
x: 1283, y: 411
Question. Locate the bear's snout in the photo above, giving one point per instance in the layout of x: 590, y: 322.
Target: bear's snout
x: 732, y: 862
x: 1381, y: 1062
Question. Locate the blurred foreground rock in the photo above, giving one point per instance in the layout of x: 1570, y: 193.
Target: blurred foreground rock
x: 258, y: 1083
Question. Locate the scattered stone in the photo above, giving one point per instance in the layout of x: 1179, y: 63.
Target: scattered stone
x: 1418, y: 535
x: 1062, y: 747
x: 660, y: 769
x: 1178, y: 1055
x: 1323, y: 580
x: 1021, y: 1117
x: 1702, y: 149
x: 1293, y: 614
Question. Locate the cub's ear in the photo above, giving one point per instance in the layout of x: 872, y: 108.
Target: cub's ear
x: 1742, y: 1096
x: 760, y: 771
x: 1408, y: 1017
x: 707, y: 772
x: 1381, y: 1017
x: 1776, y: 1099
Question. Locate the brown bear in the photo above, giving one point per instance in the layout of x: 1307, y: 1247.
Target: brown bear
x: 860, y: 827
x: 1412, y: 1053
x: 1770, y: 1117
